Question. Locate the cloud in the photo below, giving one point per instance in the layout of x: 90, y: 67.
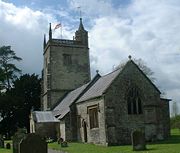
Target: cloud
x: 93, y: 8
x: 23, y: 29
x: 141, y: 28
x: 144, y: 29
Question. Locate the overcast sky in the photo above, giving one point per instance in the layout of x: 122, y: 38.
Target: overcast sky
x: 146, y: 29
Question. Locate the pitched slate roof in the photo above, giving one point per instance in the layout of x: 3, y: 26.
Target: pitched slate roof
x: 63, y: 108
x: 44, y: 116
x: 99, y: 86
x: 95, y: 88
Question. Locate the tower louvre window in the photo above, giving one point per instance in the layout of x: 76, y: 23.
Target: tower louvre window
x: 67, y: 59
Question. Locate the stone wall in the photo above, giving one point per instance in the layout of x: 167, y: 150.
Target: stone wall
x: 68, y: 128
x: 47, y: 130
x: 94, y: 135
x: 59, y: 77
x: 65, y: 128
x: 73, y: 75
x: 73, y: 122
x: 165, y: 118
x: 32, y: 124
x: 62, y: 129
x: 45, y: 75
x: 120, y: 124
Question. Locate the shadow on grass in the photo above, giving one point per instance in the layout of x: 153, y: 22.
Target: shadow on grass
x: 174, y: 139
x: 150, y: 149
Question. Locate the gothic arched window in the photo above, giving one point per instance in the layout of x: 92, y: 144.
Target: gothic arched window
x: 134, y: 101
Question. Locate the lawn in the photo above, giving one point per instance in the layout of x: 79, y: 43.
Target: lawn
x: 7, y: 150
x: 172, y: 145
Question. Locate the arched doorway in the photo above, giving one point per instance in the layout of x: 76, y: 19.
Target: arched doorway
x: 85, y: 131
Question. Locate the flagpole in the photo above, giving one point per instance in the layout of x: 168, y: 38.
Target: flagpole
x: 61, y: 30
x: 79, y: 8
x: 59, y: 25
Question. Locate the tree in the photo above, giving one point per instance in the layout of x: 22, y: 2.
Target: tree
x: 142, y: 65
x: 27, y: 87
x: 8, y: 70
x: 8, y: 105
x: 16, y: 104
x: 2, y: 79
x: 175, y: 122
x: 174, y: 109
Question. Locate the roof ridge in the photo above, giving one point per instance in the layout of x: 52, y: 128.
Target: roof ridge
x: 90, y: 84
x: 145, y: 76
x: 111, y: 72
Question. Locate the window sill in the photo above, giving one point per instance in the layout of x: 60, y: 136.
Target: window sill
x: 96, y: 128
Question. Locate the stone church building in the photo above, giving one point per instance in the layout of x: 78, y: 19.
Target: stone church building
x: 102, y: 110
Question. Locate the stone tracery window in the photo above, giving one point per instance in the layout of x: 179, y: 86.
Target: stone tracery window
x: 134, y: 101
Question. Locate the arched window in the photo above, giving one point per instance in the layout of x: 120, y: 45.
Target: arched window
x: 134, y: 101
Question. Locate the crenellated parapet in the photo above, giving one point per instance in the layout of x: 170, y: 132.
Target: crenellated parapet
x: 66, y: 65
x: 80, y: 38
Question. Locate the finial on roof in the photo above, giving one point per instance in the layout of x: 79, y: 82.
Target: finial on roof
x: 129, y: 57
x: 97, y: 71
x: 44, y: 44
x: 81, y: 27
x: 50, y: 32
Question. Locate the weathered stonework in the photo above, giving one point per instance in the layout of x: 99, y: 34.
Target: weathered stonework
x: 33, y: 143
x: 66, y: 67
x: 46, y: 129
x: 116, y: 102
x: 106, y: 109
x: 95, y: 135
x: 115, y: 123
x: 18, y: 136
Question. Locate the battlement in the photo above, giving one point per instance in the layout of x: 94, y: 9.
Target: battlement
x: 66, y: 41
x: 66, y: 65
x: 63, y: 42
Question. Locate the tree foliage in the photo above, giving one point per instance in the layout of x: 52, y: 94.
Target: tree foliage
x: 16, y: 104
x: 142, y: 65
x: 8, y: 105
x: 27, y: 87
x: 19, y: 96
x: 2, y: 78
x: 175, y: 122
x: 8, y: 69
x: 174, y: 109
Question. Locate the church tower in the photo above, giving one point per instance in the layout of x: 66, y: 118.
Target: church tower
x: 66, y: 66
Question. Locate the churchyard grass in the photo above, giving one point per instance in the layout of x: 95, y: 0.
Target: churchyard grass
x: 5, y: 150
x: 172, y: 145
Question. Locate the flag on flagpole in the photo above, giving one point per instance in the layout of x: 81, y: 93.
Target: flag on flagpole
x: 57, y: 26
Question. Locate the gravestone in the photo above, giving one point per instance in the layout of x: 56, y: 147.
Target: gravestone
x: 8, y: 146
x: 64, y: 144
x: 138, y: 140
x: 18, y: 136
x: 1, y: 142
x: 33, y: 144
x: 60, y: 140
